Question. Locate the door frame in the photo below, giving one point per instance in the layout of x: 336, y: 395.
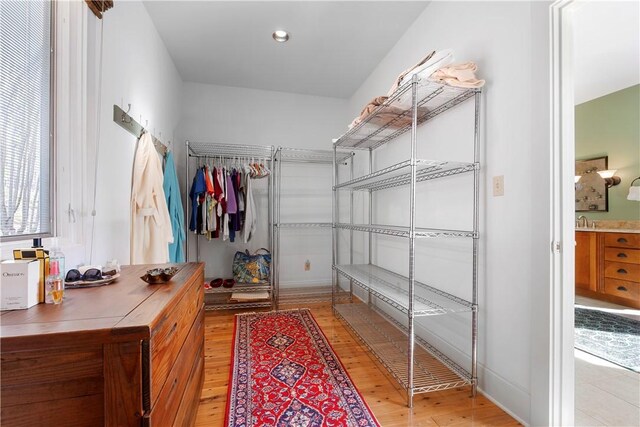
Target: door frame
x: 562, y: 298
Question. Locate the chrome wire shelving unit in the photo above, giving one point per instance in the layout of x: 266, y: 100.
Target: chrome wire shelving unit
x: 417, y: 365
x: 297, y: 156
x: 219, y: 298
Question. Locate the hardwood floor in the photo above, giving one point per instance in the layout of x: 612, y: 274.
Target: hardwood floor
x: 383, y: 395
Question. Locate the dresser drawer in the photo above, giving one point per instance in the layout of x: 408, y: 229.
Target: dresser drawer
x: 170, y: 397
x: 622, y: 271
x: 622, y: 289
x: 170, y: 334
x: 622, y: 240
x: 631, y: 256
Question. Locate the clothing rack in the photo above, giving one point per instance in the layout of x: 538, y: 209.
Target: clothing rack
x: 206, y: 150
x: 300, y: 156
x: 128, y: 123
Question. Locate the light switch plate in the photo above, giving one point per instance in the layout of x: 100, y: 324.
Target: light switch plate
x: 498, y: 185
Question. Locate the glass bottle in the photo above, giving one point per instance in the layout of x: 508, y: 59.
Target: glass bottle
x: 57, y: 257
x: 54, y: 284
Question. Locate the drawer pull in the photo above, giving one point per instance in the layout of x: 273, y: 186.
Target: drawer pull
x: 173, y: 329
x: 622, y: 240
x: 622, y: 255
x: 622, y: 271
x: 622, y: 288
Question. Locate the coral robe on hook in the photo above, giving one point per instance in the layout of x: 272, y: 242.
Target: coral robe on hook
x: 150, y: 223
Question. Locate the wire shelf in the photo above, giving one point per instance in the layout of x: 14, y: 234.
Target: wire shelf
x: 400, y: 174
x: 431, y: 349
x: 310, y: 295
x: 303, y: 224
x: 400, y: 231
x: 238, y: 287
x: 299, y: 155
x: 389, y: 344
x: 393, y: 118
x: 393, y: 289
x: 205, y: 149
x: 237, y: 305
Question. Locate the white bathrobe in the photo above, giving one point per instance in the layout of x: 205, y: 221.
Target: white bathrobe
x: 150, y: 223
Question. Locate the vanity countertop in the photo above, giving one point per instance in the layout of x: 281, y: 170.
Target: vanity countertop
x: 610, y: 230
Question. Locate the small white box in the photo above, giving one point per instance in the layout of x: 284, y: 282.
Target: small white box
x: 19, y: 285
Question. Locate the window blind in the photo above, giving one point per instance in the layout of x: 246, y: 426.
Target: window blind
x: 25, y: 105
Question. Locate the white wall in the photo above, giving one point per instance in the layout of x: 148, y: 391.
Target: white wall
x: 514, y: 229
x: 247, y: 116
x: 137, y: 69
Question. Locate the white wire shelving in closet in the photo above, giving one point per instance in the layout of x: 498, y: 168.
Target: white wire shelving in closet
x: 297, y: 156
x: 204, y: 151
x: 417, y: 365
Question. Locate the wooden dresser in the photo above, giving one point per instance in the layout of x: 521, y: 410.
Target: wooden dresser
x: 126, y: 354
x: 608, y: 266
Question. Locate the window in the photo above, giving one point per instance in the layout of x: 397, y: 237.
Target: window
x: 25, y: 118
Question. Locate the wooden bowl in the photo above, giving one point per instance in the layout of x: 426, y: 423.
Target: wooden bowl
x: 159, y: 275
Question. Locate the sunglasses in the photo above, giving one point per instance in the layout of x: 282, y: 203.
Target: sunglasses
x: 90, y: 275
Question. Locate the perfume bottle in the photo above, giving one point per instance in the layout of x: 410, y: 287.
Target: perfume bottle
x: 54, y: 285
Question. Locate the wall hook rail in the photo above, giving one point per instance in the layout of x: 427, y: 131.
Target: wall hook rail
x: 124, y: 120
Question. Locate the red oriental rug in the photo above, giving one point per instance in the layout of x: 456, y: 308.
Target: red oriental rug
x: 285, y: 373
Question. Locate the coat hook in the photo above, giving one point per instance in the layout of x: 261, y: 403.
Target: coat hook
x: 125, y: 114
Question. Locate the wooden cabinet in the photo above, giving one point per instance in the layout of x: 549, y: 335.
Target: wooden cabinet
x: 608, y: 266
x: 127, y: 354
x: 586, y: 263
x: 621, y: 267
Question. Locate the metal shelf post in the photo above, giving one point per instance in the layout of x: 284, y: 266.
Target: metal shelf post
x: 412, y: 238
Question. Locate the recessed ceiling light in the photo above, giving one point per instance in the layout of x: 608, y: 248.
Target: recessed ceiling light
x: 280, y: 36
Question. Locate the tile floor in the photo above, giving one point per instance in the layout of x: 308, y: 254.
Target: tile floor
x: 606, y: 394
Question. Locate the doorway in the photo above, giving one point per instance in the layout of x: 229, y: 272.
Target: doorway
x: 603, y: 393
x: 607, y: 149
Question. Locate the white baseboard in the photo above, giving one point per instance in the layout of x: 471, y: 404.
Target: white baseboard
x: 523, y: 401
x: 509, y: 397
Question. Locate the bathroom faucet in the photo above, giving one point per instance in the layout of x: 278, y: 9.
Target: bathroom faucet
x: 582, y: 224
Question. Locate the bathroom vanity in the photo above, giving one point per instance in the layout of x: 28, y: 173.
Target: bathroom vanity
x: 608, y: 265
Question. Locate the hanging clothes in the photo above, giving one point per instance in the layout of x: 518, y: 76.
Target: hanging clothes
x: 232, y: 207
x: 197, y: 188
x: 150, y: 223
x: 249, y: 226
x: 222, y: 203
x: 174, y: 204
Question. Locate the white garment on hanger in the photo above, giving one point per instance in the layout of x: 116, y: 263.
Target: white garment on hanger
x: 249, y: 226
x: 225, y: 218
x: 150, y: 222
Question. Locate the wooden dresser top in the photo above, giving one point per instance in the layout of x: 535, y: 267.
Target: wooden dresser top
x: 128, y: 307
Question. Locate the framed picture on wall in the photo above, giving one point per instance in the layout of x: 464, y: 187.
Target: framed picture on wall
x: 591, y: 190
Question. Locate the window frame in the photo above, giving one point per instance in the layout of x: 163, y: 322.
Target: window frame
x: 52, y: 139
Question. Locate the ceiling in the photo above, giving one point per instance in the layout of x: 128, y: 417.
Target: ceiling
x: 333, y: 47
x: 606, y: 48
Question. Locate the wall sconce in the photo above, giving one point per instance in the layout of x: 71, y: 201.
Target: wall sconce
x: 634, y: 192
x: 609, y: 177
